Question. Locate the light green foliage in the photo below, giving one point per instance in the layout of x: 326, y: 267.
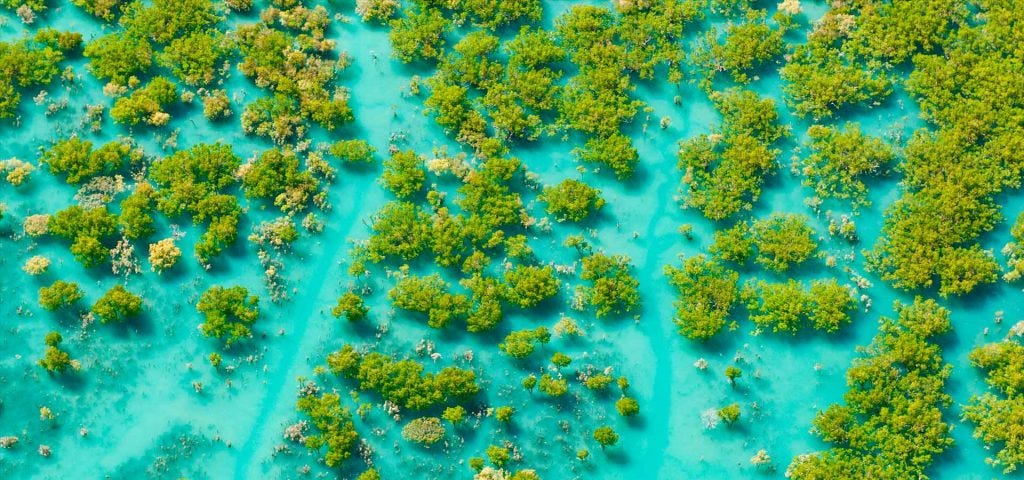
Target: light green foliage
x: 60, y: 294
x: 86, y: 229
x: 135, y: 219
x: 782, y: 240
x: 77, y: 160
x: 429, y: 295
x: 194, y: 182
x: 104, y: 9
x: 117, y: 305
x: 418, y: 35
x: 614, y: 290
x: 499, y: 456
x: 369, y: 474
x: 707, y: 292
x: 651, y: 34
x: 454, y: 415
x: 724, y: 171
x: 165, y: 20
x: 733, y: 244
x: 997, y: 414
x: 492, y: 14
x: 31, y: 62
x: 552, y: 387
x: 840, y: 159
x: 400, y: 229
x: 572, y: 200
x: 146, y: 105
x: 521, y: 343
x: 627, y: 406
x: 527, y: 286
x: 117, y: 57
x: 732, y: 372
x: 54, y: 359
x: 351, y: 306
x: 1014, y: 251
x: 425, y: 431
x: 560, y: 360
x: 404, y: 174
x: 196, y: 57
x: 486, y: 310
x: 954, y: 171
x: 300, y: 71
x: 606, y: 436
x: 615, y: 151
x: 334, y: 426
x: 353, y: 151
x: 729, y: 414
x: 504, y: 414
x: 891, y: 424
x: 743, y: 48
x: 403, y: 382
x: 818, y: 81
x: 229, y: 313
x: 276, y: 175
x: 788, y: 307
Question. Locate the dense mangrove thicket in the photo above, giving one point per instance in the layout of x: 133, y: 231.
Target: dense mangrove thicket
x: 487, y: 232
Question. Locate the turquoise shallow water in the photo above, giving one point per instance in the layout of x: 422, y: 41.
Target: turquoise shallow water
x: 144, y: 420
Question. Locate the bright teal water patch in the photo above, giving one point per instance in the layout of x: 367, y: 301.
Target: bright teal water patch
x: 144, y: 419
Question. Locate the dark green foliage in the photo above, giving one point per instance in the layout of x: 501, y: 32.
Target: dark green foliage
x: 229, y: 313
x: 891, y: 425
x: 334, y: 426
x: 60, y: 294
x: 707, y: 292
x: 614, y: 289
x: 117, y: 305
